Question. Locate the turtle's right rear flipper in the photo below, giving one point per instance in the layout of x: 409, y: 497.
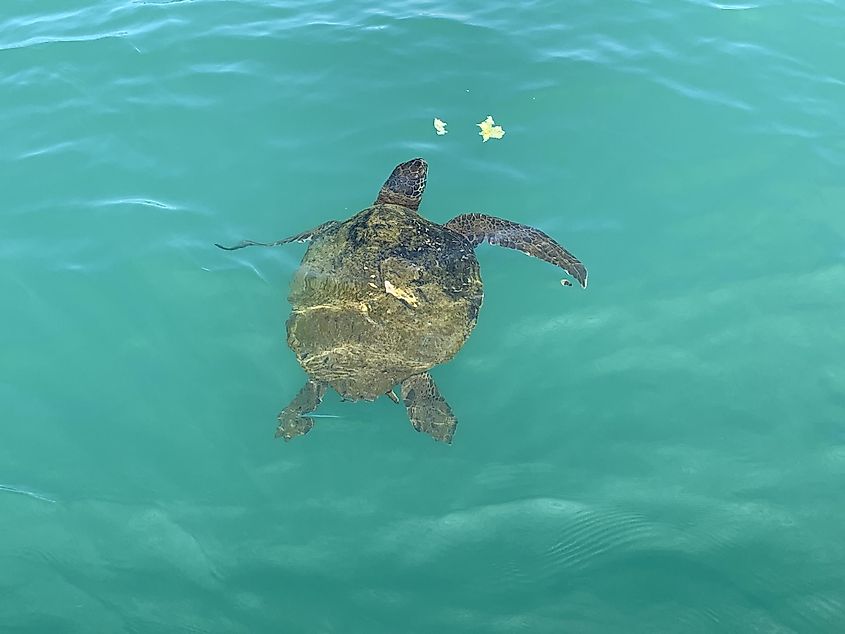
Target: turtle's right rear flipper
x: 428, y: 410
x: 305, y: 236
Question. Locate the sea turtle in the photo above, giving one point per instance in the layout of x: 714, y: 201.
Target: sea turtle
x: 383, y: 297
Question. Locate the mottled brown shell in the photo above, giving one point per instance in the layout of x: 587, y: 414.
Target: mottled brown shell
x: 381, y: 297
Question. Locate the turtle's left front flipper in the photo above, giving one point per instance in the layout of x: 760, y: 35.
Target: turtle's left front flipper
x: 428, y: 410
x: 305, y: 236
x: 480, y: 227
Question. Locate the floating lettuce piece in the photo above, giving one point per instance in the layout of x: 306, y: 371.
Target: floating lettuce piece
x: 489, y: 129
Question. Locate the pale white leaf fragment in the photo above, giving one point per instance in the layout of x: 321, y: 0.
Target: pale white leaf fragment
x: 400, y: 294
x: 489, y: 129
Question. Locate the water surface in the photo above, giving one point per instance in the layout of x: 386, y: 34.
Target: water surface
x: 663, y: 452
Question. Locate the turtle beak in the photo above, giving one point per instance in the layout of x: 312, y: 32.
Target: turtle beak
x: 417, y: 168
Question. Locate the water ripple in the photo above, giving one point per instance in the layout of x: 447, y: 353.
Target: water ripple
x: 27, y: 492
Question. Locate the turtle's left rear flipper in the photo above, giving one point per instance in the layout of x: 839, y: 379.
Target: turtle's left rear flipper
x: 293, y: 420
x: 480, y: 227
x: 305, y: 236
x: 428, y: 410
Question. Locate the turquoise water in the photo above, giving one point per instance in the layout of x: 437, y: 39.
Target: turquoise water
x: 663, y: 452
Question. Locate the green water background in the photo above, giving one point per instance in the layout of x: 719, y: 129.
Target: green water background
x: 663, y: 452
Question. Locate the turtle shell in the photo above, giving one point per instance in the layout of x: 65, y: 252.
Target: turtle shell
x: 381, y: 297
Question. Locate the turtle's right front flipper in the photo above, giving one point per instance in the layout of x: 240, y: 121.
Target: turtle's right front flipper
x: 428, y: 410
x: 480, y: 227
x: 305, y: 236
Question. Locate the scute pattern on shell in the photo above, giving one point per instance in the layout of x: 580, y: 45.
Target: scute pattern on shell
x: 384, y: 296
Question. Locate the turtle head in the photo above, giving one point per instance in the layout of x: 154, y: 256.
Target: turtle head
x: 406, y: 184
